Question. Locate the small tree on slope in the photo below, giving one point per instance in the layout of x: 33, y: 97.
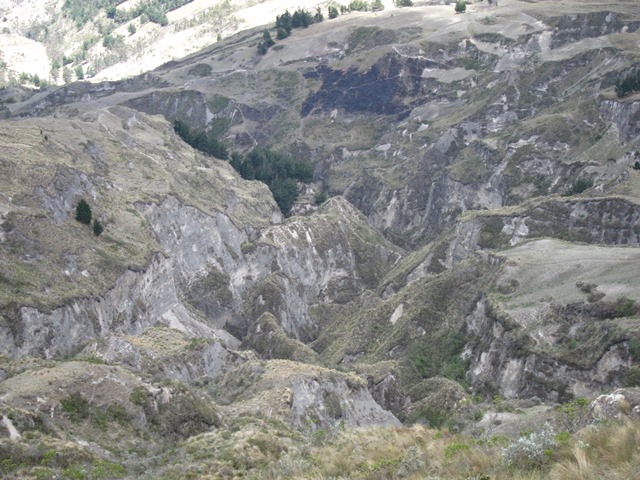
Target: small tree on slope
x: 83, y: 212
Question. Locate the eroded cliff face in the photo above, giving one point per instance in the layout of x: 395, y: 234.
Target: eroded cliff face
x: 447, y: 157
x: 210, y: 263
x: 502, y: 360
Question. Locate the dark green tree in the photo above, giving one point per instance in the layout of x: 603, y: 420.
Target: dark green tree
x: 461, y: 6
x: 98, y: 228
x: 266, y: 38
x: 279, y: 171
x: 206, y: 142
x: 320, y: 198
x: 301, y: 19
x: 332, y: 12
x: 262, y: 48
x: 83, y: 212
x: 284, y: 22
x: 285, y: 193
x: 629, y: 84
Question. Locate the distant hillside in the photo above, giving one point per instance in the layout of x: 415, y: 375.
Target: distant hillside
x: 45, y: 42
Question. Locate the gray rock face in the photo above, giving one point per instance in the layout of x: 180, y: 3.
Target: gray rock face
x: 499, y: 363
x: 186, y: 105
x: 187, y: 365
x: 617, y: 404
x: 324, y: 405
x: 137, y: 301
x: 625, y: 116
x: 292, y: 267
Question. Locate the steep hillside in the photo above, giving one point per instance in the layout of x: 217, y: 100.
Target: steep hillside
x: 465, y: 256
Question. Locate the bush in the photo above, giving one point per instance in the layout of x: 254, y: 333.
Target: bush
x: 579, y: 186
x: 320, y: 198
x: 531, y: 451
x: 98, y: 228
x: 461, y: 6
x: 629, y: 84
x: 76, y: 406
x: 301, y: 19
x: 83, y: 212
x: 573, y: 415
x: 332, y: 12
x: 632, y: 377
x: 285, y: 193
x: 358, y: 6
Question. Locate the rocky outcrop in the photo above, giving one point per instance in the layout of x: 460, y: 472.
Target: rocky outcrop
x: 161, y: 352
x: 188, y: 106
x: 316, y: 404
x: 136, y: 302
x: 625, y: 116
x: 269, y: 340
x: 210, y: 263
x: 306, y: 397
x: 572, y: 28
x: 617, y: 404
x: 503, y: 360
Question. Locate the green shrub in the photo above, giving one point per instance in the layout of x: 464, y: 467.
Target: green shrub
x: 632, y: 377
x: 83, y: 212
x: 320, y: 198
x: 579, y: 186
x: 461, y: 6
x: 437, y: 355
x: 573, y: 415
x: 206, y: 142
x: 629, y: 84
x: 76, y: 406
x: 531, y: 451
x: 139, y: 396
x: 98, y: 228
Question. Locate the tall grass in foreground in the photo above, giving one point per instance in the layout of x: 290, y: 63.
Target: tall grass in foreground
x: 607, y: 451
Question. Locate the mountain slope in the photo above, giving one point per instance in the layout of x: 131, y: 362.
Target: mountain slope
x: 479, y: 245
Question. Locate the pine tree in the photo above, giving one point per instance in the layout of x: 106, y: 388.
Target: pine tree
x: 266, y: 38
x: 98, y: 228
x: 83, y: 212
